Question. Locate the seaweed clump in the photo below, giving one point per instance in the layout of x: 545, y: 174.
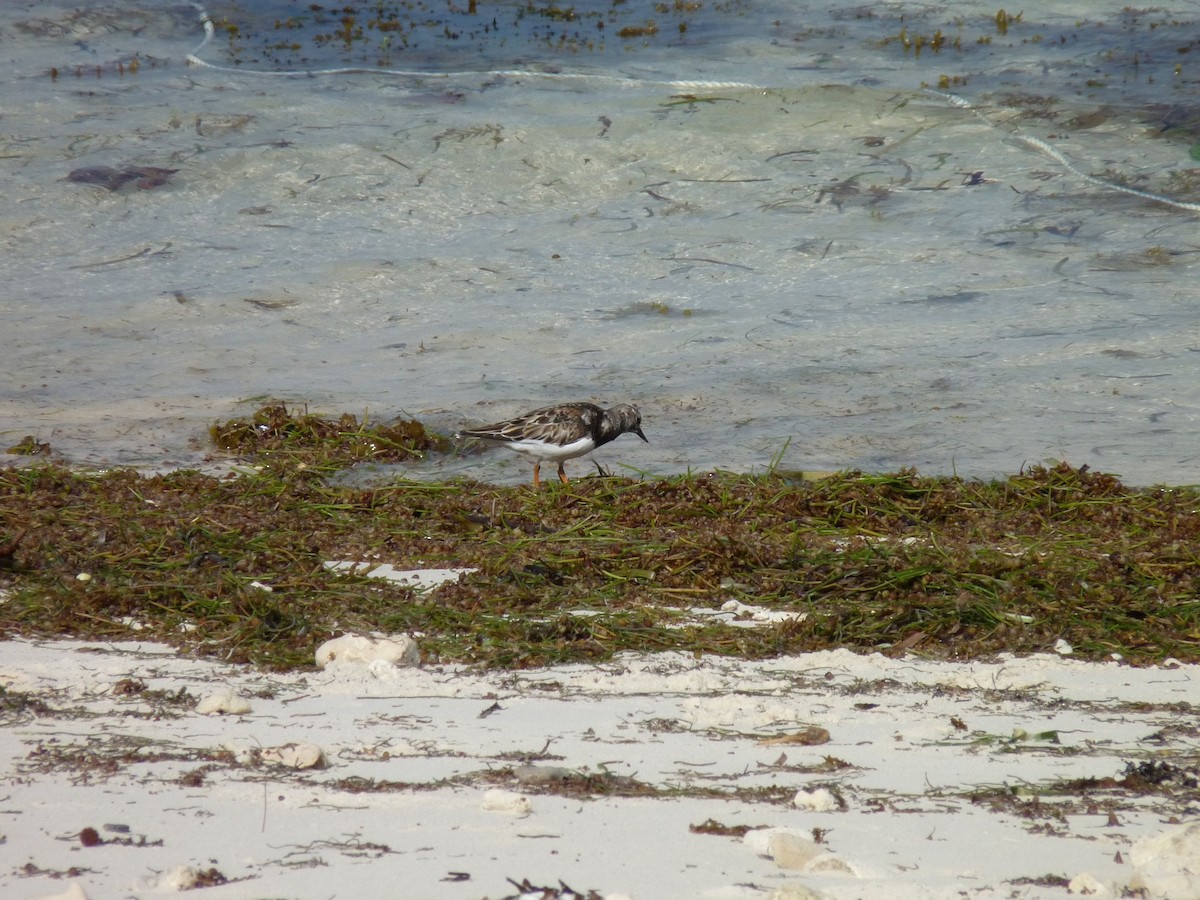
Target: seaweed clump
x: 893, y: 562
x: 275, y: 433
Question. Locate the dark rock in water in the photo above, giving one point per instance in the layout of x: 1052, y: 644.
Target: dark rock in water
x: 147, y: 177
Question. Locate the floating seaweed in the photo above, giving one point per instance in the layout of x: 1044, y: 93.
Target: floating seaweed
x: 146, y: 177
x: 28, y: 446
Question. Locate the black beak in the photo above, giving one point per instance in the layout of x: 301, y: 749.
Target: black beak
x: 638, y: 432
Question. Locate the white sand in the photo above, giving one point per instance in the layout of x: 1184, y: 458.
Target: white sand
x: 462, y: 774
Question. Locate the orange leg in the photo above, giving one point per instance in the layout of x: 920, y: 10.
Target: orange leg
x: 562, y: 476
x: 537, y: 466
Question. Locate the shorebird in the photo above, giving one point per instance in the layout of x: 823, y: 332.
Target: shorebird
x: 561, y: 432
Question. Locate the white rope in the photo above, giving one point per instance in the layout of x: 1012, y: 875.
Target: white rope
x: 194, y: 59
x: 1038, y: 144
x: 1057, y: 155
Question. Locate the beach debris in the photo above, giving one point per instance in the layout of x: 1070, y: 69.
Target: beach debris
x: 795, y: 891
x: 758, y: 614
x: 73, y: 892
x: 810, y: 736
x: 816, y: 800
x: 222, y: 703
x: 744, y: 615
x: 1168, y: 864
x: 1088, y: 886
x: 712, y: 826
x: 542, y: 774
x: 500, y: 800
x: 28, y: 446
x: 794, y: 850
x: 530, y: 891
x: 146, y: 177
x: 128, y: 621
x: 294, y: 755
x: 398, y: 650
x: 788, y: 849
x: 417, y: 579
x: 183, y: 878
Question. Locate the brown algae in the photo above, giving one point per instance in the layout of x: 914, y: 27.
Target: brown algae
x: 938, y: 566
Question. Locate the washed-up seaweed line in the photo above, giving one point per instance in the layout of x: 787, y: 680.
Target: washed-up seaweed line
x: 1034, y: 143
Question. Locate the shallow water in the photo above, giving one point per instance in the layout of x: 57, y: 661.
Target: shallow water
x: 824, y: 267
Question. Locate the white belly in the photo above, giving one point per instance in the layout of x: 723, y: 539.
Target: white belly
x: 553, y: 452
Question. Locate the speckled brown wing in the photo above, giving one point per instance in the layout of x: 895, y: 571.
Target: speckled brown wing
x: 563, y: 423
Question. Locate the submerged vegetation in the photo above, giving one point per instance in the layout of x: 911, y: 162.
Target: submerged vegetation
x: 235, y: 566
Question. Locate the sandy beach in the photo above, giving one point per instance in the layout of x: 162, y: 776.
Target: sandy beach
x: 801, y: 245
x: 132, y: 772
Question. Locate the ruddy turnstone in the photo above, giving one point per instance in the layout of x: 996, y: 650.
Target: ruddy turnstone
x: 562, y: 432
